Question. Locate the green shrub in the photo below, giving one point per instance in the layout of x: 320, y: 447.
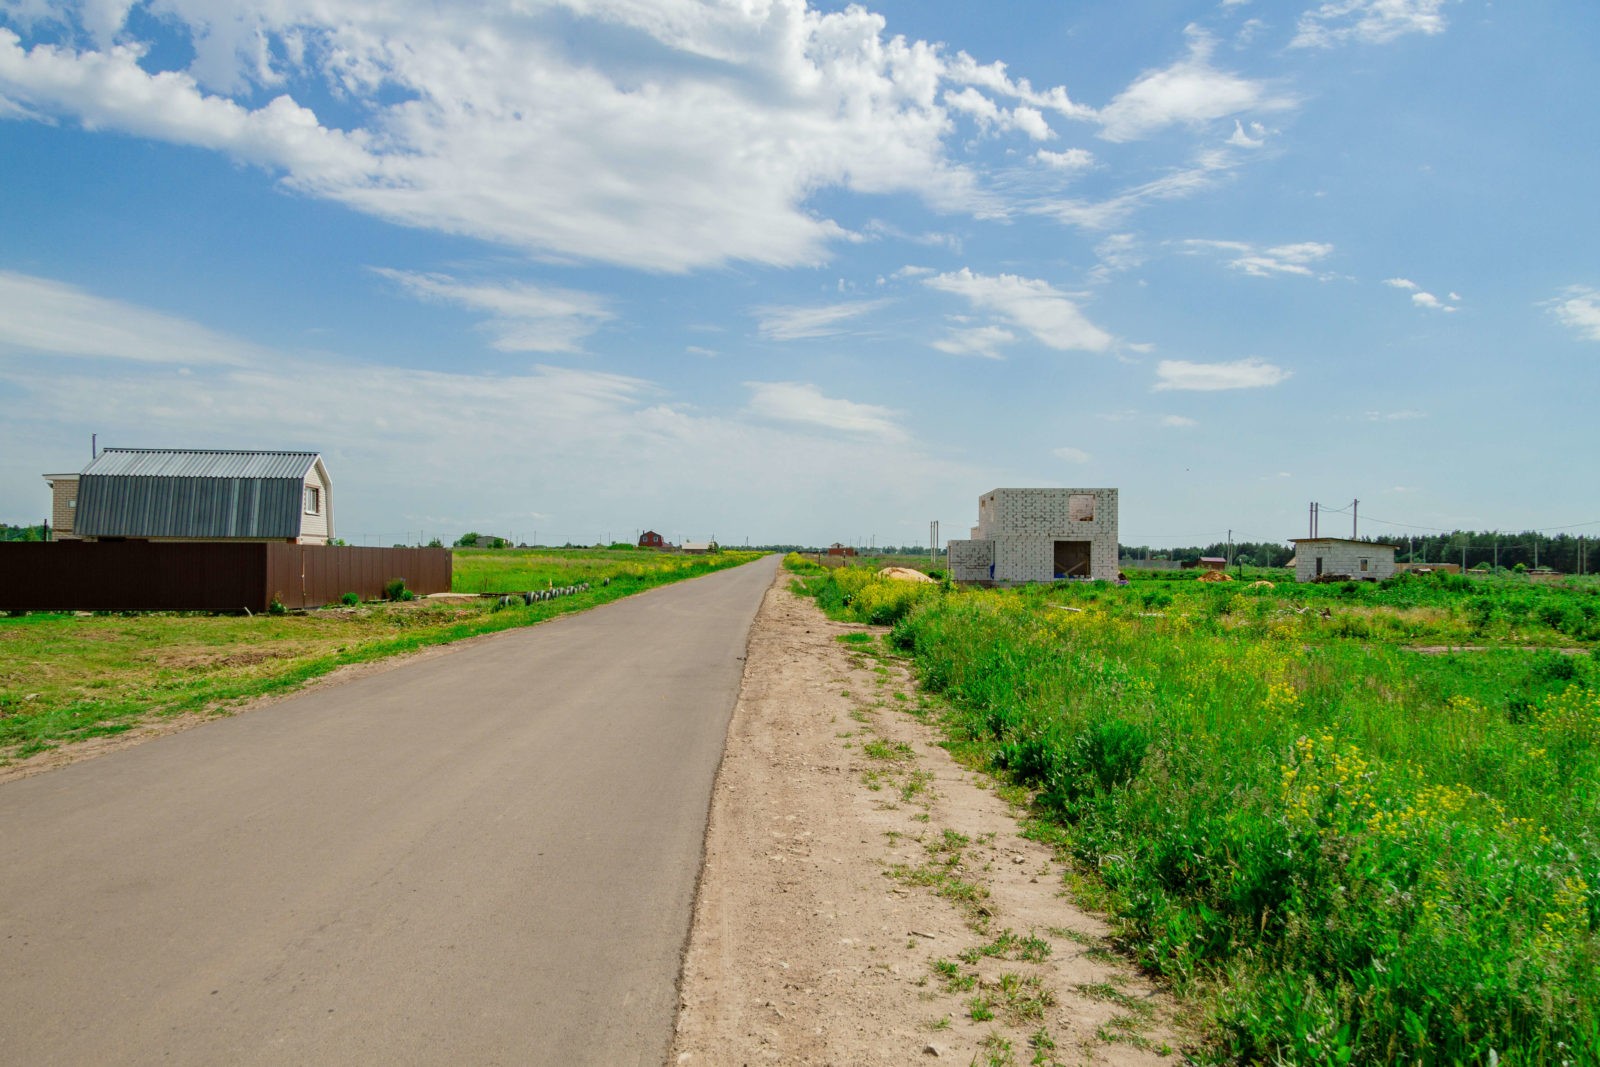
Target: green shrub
x: 395, y: 589
x: 350, y: 600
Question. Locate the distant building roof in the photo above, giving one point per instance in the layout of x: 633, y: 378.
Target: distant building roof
x: 205, y: 493
x: 1213, y: 559
x: 1343, y: 541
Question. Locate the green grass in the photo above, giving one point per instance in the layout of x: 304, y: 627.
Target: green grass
x: 1343, y: 850
x: 65, y: 677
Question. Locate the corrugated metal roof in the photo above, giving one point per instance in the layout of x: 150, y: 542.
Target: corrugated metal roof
x: 200, y: 463
x: 147, y: 492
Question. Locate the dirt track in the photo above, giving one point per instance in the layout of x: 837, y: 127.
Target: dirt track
x: 815, y: 935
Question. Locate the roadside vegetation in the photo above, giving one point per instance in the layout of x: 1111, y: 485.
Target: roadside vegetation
x: 1343, y: 842
x: 67, y: 677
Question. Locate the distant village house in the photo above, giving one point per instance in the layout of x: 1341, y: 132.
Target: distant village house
x: 1327, y: 558
x: 157, y: 494
x: 837, y: 549
x: 651, y: 539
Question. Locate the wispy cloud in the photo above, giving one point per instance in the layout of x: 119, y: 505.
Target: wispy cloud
x: 799, y: 323
x: 1213, y: 377
x: 1578, y: 308
x: 1179, y: 422
x: 1267, y: 262
x: 523, y: 318
x: 42, y: 315
x: 804, y: 404
x: 1029, y: 304
x: 984, y: 341
x: 1071, y: 455
x: 1189, y: 92
x: 1367, y: 21
x: 1403, y: 415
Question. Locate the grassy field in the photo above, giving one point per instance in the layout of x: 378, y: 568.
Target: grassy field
x: 66, y: 677
x: 1344, y: 850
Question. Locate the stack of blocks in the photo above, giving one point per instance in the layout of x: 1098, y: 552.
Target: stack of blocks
x: 1018, y: 529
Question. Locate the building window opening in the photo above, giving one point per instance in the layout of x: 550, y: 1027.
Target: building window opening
x: 1080, y: 508
x: 1363, y: 564
x: 313, y: 500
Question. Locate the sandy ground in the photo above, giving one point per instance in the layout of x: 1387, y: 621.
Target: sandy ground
x: 849, y: 859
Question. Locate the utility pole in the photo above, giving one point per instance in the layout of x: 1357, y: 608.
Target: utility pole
x: 1354, y: 505
x: 1497, y: 555
x: 933, y: 543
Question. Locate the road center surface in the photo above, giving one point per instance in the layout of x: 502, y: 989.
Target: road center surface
x: 486, y: 857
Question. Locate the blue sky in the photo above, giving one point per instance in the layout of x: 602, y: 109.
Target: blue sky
x: 803, y: 273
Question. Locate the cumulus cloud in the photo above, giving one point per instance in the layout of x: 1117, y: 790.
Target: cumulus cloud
x: 1213, y: 377
x: 1071, y: 455
x: 1189, y: 92
x: 799, y: 323
x: 1578, y: 309
x: 701, y: 148
x: 1423, y: 299
x: 1367, y: 21
x: 804, y: 404
x: 46, y: 316
x: 1266, y: 262
x: 523, y: 318
x: 1029, y: 304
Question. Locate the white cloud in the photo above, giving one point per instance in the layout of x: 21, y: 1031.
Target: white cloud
x: 798, y: 323
x: 1071, y: 161
x: 1190, y: 92
x: 1029, y: 304
x: 1401, y: 283
x: 1578, y: 308
x: 701, y: 144
x: 1117, y: 253
x: 1241, y: 139
x: 1071, y: 455
x: 1367, y: 21
x: 1179, y: 422
x: 802, y: 403
x: 1266, y: 262
x: 41, y: 315
x: 1212, y: 377
x: 1204, y: 172
x: 991, y: 116
x: 524, y: 318
x: 1403, y: 415
x: 1431, y: 302
x: 985, y: 341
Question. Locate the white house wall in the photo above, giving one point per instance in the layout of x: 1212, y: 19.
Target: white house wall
x: 1343, y: 557
x: 1017, y: 529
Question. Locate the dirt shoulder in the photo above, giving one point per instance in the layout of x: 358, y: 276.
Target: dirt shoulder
x: 866, y: 900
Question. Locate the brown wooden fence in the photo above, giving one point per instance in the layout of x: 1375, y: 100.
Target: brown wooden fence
x: 205, y: 576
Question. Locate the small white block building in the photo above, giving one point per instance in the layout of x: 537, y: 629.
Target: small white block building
x: 1315, y: 557
x: 1039, y: 535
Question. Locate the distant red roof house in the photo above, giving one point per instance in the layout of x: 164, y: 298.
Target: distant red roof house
x: 651, y: 539
x: 836, y: 549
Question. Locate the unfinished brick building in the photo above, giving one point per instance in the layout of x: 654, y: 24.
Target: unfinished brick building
x: 1039, y: 535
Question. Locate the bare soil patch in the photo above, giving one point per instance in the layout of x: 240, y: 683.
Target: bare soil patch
x: 866, y: 900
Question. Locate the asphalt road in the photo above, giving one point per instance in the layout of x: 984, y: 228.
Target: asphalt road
x: 484, y: 857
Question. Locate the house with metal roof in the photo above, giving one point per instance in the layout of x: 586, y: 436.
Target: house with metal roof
x: 181, y: 494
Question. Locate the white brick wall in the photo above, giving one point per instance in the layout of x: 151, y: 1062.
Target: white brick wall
x: 1022, y: 526
x: 1340, y: 556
